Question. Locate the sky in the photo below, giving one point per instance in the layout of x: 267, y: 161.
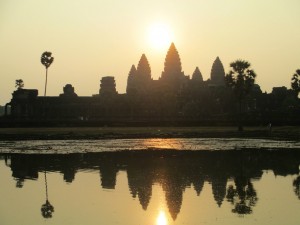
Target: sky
x: 90, y: 39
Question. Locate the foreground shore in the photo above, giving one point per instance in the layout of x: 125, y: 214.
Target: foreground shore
x: 77, y: 133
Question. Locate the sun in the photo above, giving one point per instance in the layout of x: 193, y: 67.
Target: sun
x: 162, y: 219
x: 159, y: 36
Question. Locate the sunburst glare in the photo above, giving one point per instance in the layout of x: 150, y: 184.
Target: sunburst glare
x: 162, y: 218
x: 159, y: 36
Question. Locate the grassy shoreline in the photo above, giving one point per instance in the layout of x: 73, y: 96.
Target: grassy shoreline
x: 74, y: 133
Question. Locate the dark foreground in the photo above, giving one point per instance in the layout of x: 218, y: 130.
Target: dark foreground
x: 74, y: 133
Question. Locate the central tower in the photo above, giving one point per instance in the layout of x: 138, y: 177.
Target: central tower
x: 173, y: 80
x: 172, y: 68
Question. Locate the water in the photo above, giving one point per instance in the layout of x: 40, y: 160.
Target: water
x: 79, y: 146
x: 86, y: 185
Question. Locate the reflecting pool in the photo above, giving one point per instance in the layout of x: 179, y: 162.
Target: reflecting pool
x: 164, y: 187
x: 105, y: 145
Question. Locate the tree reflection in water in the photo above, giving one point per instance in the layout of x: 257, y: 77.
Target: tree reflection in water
x: 174, y: 171
x: 243, y: 196
x: 296, y: 185
x: 47, y: 209
x: 19, y: 183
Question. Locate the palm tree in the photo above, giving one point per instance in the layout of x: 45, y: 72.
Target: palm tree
x: 19, y: 84
x: 47, y: 209
x: 243, y: 197
x: 296, y: 82
x: 46, y: 60
x: 296, y: 184
x: 240, y: 79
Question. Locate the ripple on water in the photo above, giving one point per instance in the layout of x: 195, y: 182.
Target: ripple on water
x: 195, y: 144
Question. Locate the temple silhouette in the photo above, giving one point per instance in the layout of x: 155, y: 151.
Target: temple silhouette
x: 175, y: 98
x: 174, y: 171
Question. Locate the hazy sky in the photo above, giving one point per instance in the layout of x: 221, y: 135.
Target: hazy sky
x: 94, y: 38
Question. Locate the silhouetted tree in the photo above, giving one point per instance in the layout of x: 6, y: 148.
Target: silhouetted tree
x: 47, y: 209
x: 241, y: 79
x: 243, y: 197
x: 19, y: 183
x: 296, y: 82
x: 296, y: 184
x: 19, y: 84
x: 46, y: 60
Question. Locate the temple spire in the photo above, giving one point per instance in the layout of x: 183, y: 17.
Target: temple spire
x: 131, y: 79
x: 132, y: 72
x: 139, y: 80
x: 197, y: 76
x: 217, y: 74
x: 172, y: 66
x: 143, y: 69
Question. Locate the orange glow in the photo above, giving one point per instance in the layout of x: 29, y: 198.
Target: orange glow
x: 162, y: 218
x: 162, y: 143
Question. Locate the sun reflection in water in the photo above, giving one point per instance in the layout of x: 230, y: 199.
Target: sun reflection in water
x: 162, y: 218
x: 163, y: 143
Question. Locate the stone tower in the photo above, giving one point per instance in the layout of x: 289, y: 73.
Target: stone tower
x: 68, y: 91
x: 131, y: 81
x: 107, y: 86
x: 172, y: 68
x: 143, y: 70
x: 172, y: 79
x: 139, y: 80
x: 197, y: 76
x: 217, y: 75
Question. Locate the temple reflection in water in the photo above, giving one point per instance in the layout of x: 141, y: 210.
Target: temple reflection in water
x: 174, y: 171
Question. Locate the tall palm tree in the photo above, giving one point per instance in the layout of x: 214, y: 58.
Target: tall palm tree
x: 296, y: 82
x: 241, y: 79
x: 19, y: 84
x: 47, y: 209
x: 46, y: 60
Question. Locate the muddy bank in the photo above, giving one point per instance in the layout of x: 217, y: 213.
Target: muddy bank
x: 98, y: 133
